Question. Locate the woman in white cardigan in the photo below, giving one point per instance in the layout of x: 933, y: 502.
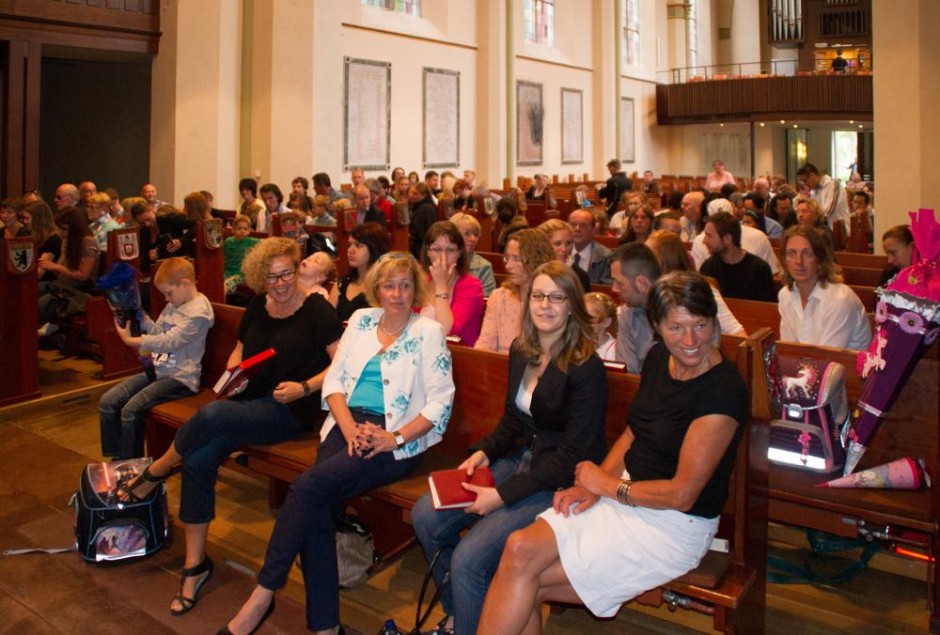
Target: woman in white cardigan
x: 389, y: 392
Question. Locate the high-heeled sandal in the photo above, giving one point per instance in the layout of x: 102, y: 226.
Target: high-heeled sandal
x: 267, y: 613
x: 128, y: 493
x: 187, y: 603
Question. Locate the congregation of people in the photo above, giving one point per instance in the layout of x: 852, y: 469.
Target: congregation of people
x: 369, y: 344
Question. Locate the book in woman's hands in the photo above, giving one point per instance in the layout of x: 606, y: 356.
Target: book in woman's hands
x: 235, y: 379
x: 447, y: 491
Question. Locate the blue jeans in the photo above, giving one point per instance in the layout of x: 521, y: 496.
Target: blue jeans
x: 306, y: 523
x: 216, y: 431
x: 473, y: 560
x: 122, y: 409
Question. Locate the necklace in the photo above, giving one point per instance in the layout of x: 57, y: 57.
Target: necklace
x: 396, y: 331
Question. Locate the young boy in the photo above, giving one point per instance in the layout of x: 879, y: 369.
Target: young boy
x: 316, y: 270
x: 177, y: 341
x: 234, y: 249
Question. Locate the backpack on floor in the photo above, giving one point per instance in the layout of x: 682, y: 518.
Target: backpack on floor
x: 813, y: 410
x: 107, y: 529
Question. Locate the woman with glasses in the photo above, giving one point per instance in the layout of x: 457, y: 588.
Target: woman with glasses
x: 367, y: 242
x: 390, y: 392
x: 457, y: 301
x: 526, y: 250
x: 280, y: 403
x: 553, y: 419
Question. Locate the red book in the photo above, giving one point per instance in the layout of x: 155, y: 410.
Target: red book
x: 446, y: 490
x: 235, y: 379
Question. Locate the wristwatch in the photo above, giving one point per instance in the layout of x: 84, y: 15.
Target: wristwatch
x: 399, y: 440
x: 442, y: 296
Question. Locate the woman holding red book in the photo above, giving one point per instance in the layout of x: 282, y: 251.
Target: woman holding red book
x: 281, y: 402
x: 553, y: 419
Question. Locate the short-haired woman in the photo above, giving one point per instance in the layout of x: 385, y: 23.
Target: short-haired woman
x: 648, y: 513
x: 526, y: 251
x: 280, y: 403
x: 479, y: 266
x: 553, y: 419
x: 389, y: 392
x: 457, y: 300
x: 815, y: 307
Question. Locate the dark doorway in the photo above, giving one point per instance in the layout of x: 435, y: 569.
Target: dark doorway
x: 95, y: 124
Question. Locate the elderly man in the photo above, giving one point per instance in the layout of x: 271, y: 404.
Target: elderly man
x: 363, y: 209
x: 86, y: 189
x: 66, y: 195
x: 828, y: 192
x: 149, y: 193
x: 692, y: 215
x: 588, y: 254
x: 358, y: 177
x: 633, y: 270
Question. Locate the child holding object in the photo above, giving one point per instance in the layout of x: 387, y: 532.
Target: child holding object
x: 234, y: 249
x: 177, y: 340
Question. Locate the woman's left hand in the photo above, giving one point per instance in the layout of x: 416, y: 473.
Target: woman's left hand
x: 288, y: 391
x: 488, y: 499
x: 373, y: 440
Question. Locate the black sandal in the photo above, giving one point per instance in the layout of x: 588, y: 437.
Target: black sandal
x: 127, y: 492
x: 187, y: 604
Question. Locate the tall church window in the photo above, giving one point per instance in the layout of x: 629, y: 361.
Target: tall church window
x: 538, y: 21
x: 631, y: 31
x: 408, y: 7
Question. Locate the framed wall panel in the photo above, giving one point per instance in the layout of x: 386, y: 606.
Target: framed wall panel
x: 627, y: 130
x: 572, y: 139
x: 367, y: 114
x: 530, y: 115
x: 441, y: 118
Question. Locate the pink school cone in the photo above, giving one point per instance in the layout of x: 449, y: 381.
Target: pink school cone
x: 906, y: 473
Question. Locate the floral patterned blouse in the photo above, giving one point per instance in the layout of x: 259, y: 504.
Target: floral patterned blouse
x: 416, y: 375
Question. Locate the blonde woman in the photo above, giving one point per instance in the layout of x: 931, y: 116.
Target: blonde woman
x: 603, y: 311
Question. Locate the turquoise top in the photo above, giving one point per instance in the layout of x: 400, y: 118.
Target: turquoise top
x: 368, y: 393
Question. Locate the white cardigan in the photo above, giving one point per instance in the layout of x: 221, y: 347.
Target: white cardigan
x: 416, y: 375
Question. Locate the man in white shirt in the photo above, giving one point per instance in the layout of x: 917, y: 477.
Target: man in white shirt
x: 752, y: 240
x: 828, y: 192
x: 588, y: 254
x: 815, y: 307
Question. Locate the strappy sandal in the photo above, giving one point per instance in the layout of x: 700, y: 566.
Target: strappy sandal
x: 127, y: 492
x: 440, y: 629
x: 187, y: 604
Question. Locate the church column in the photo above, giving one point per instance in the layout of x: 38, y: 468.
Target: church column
x: 495, y: 93
x: 907, y: 109
x: 606, y: 80
x: 194, y: 101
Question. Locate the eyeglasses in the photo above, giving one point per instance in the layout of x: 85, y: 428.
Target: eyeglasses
x: 286, y: 276
x: 553, y: 298
x: 437, y: 251
x: 508, y: 259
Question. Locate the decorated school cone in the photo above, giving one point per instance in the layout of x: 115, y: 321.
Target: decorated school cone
x: 906, y: 473
x: 908, y: 322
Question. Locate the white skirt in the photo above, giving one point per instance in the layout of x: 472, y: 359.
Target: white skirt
x: 612, y: 553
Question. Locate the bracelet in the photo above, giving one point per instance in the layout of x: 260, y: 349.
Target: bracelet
x: 623, y: 492
x: 442, y: 296
x: 306, y: 388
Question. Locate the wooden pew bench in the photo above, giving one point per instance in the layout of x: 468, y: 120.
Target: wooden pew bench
x: 735, y: 587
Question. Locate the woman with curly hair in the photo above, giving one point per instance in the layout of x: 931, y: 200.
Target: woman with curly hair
x: 526, y: 250
x: 282, y: 402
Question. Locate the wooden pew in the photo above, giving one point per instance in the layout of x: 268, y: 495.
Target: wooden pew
x: 866, y: 261
x: 210, y: 260
x: 19, y: 341
x: 910, y: 428
x: 737, y: 600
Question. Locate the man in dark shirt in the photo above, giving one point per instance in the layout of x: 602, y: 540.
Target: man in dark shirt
x: 423, y: 215
x: 739, y: 273
x: 617, y: 185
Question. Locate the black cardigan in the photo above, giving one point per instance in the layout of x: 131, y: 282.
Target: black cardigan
x: 566, y: 426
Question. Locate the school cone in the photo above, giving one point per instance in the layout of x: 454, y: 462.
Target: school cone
x: 906, y: 473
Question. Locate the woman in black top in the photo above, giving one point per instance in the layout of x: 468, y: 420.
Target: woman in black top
x: 42, y: 226
x: 280, y: 403
x: 367, y: 242
x: 648, y: 513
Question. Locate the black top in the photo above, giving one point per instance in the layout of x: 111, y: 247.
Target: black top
x: 423, y: 215
x: 345, y: 307
x: 750, y: 279
x: 887, y: 274
x: 300, y: 341
x: 53, y: 247
x: 566, y: 426
x: 662, y: 412
x: 169, y: 226
x: 530, y: 195
x: 617, y: 185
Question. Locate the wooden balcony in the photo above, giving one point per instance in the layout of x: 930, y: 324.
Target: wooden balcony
x: 765, y: 97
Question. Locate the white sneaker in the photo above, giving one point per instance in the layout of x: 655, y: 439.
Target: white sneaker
x: 48, y: 329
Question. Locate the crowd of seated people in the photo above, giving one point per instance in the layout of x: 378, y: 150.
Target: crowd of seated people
x: 541, y: 312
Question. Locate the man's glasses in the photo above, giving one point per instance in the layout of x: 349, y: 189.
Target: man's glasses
x: 286, y: 276
x: 553, y: 298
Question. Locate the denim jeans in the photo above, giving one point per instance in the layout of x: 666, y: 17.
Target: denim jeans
x: 122, y: 409
x: 306, y: 524
x: 216, y: 431
x: 473, y: 560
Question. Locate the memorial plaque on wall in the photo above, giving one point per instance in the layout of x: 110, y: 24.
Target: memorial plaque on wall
x: 627, y: 130
x: 529, y: 118
x: 572, y: 146
x: 441, y: 118
x: 367, y: 115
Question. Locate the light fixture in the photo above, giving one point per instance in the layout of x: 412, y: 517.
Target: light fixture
x: 860, y: 126
x: 762, y: 124
x: 851, y: 122
x: 721, y: 125
x: 794, y: 125
x: 783, y: 122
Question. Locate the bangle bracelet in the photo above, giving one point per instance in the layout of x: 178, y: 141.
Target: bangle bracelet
x: 306, y: 388
x: 442, y: 296
x: 623, y: 492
